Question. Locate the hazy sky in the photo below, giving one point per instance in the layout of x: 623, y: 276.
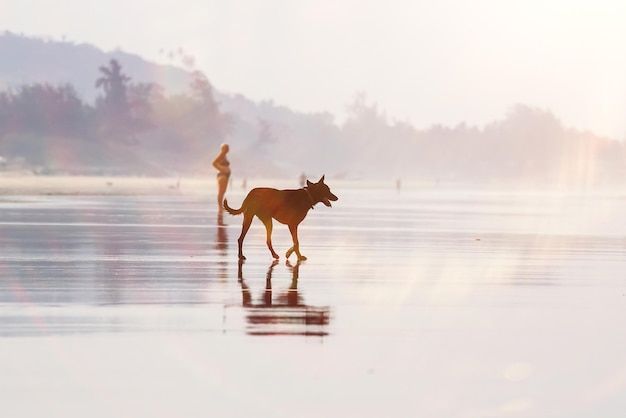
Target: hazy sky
x: 426, y: 62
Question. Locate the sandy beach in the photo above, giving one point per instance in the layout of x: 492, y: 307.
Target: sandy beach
x: 19, y: 184
x: 437, y: 303
x: 92, y: 185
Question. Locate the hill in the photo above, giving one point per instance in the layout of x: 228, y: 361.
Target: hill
x: 289, y: 145
x: 27, y: 60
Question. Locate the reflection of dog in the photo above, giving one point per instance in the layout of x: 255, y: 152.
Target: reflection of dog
x: 290, y: 299
x: 285, y: 313
x: 289, y: 207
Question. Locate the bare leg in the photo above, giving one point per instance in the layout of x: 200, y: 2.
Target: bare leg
x: 222, y: 184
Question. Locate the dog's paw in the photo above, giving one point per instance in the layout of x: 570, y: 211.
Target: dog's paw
x: 301, y: 257
x: 276, y: 256
x: 289, y: 252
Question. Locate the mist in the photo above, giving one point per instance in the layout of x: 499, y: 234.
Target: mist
x: 169, y: 120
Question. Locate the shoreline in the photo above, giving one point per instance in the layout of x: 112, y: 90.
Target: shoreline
x: 94, y: 185
x: 68, y: 185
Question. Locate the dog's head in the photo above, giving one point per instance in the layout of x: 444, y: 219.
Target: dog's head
x: 321, y: 192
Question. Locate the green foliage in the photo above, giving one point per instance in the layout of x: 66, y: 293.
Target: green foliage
x: 44, y: 109
x: 112, y: 107
x: 129, y: 126
x: 529, y: 145
x: 206, y: 110
x: 125, y: 113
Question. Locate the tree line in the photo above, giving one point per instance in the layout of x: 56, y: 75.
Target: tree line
x: 528, y: 145
x: 177, y: 132
x: 124, y: 111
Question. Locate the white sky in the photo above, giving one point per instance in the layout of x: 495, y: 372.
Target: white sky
x: 426, y: 62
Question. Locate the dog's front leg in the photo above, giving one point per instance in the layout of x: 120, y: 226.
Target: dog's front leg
x: 268, y: 228
x: 296, y: 245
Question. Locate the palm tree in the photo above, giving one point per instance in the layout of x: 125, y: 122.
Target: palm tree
x: 114, y: 83
x: 113, y: 106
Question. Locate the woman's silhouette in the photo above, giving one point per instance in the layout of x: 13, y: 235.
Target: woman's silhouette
x: 222, y: 165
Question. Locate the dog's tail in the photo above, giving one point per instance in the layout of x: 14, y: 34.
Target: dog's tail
x: 231, y: 210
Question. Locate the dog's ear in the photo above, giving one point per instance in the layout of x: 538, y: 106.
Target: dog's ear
x: 322, y: 179
x: 308, y: 183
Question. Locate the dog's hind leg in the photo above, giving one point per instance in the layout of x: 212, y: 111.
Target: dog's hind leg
x: 268, y: 240
x: 296, y: 245
x: 247, y: 220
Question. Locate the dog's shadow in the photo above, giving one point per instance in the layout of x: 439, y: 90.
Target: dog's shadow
x: 282, y: 313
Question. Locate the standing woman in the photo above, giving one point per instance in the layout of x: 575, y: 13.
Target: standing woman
x: 222, y: 165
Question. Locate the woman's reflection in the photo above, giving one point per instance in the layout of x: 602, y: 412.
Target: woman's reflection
x: 221, y: 245
x: 221, y: 239
x: 285, y: 313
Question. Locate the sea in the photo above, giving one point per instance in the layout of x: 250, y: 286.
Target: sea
x: 417, y: 302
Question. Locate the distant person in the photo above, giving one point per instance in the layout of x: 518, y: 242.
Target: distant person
x: 222, y: 165
x: 302, y: 179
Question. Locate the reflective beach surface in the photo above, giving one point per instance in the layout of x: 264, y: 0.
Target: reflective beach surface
x: 419, y: 303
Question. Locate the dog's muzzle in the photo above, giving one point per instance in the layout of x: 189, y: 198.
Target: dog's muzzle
x: 327, y: 201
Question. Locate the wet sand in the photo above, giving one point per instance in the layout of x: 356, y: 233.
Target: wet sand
x: 434, y: 303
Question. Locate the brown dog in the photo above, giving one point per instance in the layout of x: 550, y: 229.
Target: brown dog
x: 286, y: 206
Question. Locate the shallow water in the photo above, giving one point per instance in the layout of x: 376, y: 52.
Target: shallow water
x: 421, y: 303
